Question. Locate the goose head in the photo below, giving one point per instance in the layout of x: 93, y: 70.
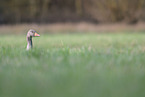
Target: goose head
x: 31, y: 33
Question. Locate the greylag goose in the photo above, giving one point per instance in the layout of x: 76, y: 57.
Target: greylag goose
x: 31, y: 33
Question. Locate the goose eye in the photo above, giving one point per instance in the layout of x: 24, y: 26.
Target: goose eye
x: 32, y: 31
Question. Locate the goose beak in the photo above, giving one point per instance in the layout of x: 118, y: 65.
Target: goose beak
x: 36, y: 34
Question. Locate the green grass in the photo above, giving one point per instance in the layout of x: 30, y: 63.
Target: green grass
x: 75, y: 65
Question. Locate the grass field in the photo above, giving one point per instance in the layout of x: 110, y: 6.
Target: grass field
x: 73, y: 65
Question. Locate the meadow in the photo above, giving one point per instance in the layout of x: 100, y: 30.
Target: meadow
x: 73, y: 65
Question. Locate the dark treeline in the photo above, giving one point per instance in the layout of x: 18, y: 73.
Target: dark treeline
x: 49, y: 11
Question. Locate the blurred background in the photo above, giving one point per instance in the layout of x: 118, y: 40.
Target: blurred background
x: 69, y: 15
x: 72, y: 58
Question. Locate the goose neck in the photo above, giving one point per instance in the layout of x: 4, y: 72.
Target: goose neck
x: 29, y: 43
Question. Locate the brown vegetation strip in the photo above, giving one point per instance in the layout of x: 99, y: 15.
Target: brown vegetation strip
x: 72, y: 28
